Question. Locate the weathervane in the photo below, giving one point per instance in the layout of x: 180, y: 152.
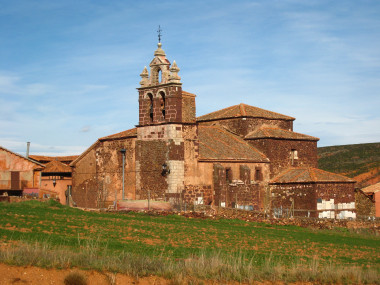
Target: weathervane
x: 159, y: 33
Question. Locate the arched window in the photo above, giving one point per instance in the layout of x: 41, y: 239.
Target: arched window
x: 163, y: 103
x: 151, y: 107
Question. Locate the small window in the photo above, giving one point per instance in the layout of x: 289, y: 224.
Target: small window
x: 258, y: 174
x: 293, y: 156
x: 228, y: 175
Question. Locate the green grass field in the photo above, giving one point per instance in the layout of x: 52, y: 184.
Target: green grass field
x: 162, y: 245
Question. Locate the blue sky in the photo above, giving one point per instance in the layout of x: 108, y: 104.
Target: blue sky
x: 69, y: 69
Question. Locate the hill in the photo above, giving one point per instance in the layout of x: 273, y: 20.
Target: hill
x: 358, y: 161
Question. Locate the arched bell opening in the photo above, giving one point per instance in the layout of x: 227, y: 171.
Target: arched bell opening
x: 163, y: 103
x: 150, y: 96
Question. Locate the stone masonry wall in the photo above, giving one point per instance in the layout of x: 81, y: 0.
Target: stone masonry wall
x: 220, y: 184
x: 278, y: 151
x: 84, y: 180
x: 97, y: 177
x: 173, y: 104
x: 231, y: 191
x: 306, y: 196
x: 188, y: 110
x: 365, y: 207
x: 198, y: 194
x: 158, y: 145
x: 303, y: 195
x: 245, y: 196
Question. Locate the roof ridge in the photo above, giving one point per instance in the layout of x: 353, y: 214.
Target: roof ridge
x: 312, y: 173
x: 242, y: 109
x: 332, y: 173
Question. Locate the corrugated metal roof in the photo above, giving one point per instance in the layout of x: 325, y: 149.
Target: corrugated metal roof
x: 243, y: 110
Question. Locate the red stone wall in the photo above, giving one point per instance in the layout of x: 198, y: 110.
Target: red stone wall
x: 192, y: 193
x: 188, y: 110
x: 97, y: 177
x: 365, y: 206
x: 234, y: 191
x: 150, y: 156
x: 245, y: 195
x: 84, y: 180
x: 278, y: 151
x: 219, y: 183
x: 340, y: 192
x: 178, y: 108
x: 164, y: 144
x: 305, y: 196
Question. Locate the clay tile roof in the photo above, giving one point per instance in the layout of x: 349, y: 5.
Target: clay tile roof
x: 123, y: 134
x: 278, y: 133
x: 56, y: 166
x: 216, y: 143
x: 308, y: 174
x: 243, y: 110
x: 188, y: 94
x: 372, y: 188
x: 40, y: 158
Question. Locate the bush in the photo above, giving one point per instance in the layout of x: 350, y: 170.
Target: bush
x: 75, y: 278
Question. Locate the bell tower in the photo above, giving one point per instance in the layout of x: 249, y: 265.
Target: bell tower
x: 161, y: 99
x: 167, y: 125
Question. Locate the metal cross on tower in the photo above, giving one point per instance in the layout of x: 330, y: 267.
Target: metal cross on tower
x: 159, y: 33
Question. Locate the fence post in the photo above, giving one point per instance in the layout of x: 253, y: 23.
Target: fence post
x: 148, y: 200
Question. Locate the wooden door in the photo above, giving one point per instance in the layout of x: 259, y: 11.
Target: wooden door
x: 15, y: 180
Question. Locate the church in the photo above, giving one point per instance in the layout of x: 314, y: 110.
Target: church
x: 239, y: 157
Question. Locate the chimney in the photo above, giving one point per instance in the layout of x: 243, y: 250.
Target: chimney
x: 27, y: 149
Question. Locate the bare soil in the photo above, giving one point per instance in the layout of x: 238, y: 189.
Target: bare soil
x: 41, y: 276
x: 10, y: 274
